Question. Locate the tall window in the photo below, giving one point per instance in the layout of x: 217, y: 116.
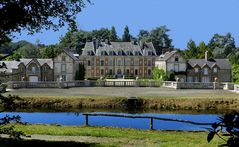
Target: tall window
x: 111, y: 72
x: 63, y: 59
x: 196, y: 70
x: 205, y: 71
x: 33, y: 69
x: 111, y: 62
x: 149, y: 72
x: 63, y: 67
x: 149, y: 63
x: 215, y: 70
x: 136, y: 72
x: 102, y: 71
x: 119, y: 62
x: 176, y: 59
x: 88, y: 62
x: 101, y: 62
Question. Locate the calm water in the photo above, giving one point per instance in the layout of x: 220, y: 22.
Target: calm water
x: 71, y: 118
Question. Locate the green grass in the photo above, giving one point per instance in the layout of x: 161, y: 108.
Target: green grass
x: 120, y: 136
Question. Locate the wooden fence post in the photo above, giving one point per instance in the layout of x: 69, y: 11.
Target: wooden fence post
x: 86, y: 120
x: 151, y: 124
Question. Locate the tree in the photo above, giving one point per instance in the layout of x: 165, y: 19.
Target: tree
x: 80, y: 74
x: 49, y: 51
x: 75, y: 40
x: 223, y: 44
x: 191, y: 51
x: 228, y: 126
x: 101, y: 34
x: 126, y: 36
x: 235, y: 73
x: 159, y: 74
x: 144, y: 36
x: 37, y: 15
x: 159, y: 38
x: 113, y: 35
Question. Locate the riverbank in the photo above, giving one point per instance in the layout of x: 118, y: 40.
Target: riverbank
x: 106, y: 136
x: 116, y: 98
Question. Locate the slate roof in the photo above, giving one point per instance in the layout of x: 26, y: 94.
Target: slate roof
x: 125, y: 47
x: 14, y: 64
x: 71, y: 54
x: 167, y: 55
x: 221, y: 63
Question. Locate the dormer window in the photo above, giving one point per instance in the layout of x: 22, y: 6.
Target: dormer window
x: 176, y: 59
x: 119, y: 53
x: 89, y: 53
x: 102, y: 53
x: 149, y: 53
x: 128, y: 53
x: 196, y: 70
x: 205, y: 71
x: 136, y: 53
x: 111, y: 53
x: 215, y: 70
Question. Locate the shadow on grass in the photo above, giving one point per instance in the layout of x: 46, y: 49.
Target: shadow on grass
x: 40, y: 143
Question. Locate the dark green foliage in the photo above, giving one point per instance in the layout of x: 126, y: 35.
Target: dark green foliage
x: 159, y: 74
x: 37, y: 15
x: 158, y: 37
x: 170, y: 76
x: 9, y: 103
x: 126, y: 36
x: 230, y: 124
x: 80, y: 74
x: 235, y: 73
x: 113, y: 35
x: 50, y: 51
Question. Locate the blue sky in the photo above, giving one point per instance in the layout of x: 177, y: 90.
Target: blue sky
x: 196, y: 19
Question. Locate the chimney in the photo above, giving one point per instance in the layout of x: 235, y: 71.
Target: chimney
x: 206, y: 56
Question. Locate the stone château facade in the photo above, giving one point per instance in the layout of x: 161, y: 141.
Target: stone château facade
x: 118, y: 59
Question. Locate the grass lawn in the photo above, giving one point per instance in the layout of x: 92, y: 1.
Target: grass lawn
x: 106, y: 136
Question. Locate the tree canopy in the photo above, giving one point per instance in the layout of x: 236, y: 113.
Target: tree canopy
x: 37, y: 15
x: 126, y: 36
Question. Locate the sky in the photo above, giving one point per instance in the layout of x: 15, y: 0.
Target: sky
x: 187, y: 19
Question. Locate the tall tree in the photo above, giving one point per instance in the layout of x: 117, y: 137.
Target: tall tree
x: 75, y: 40
x: 191, y: 51
x: 101, y: 34
x: 126, y: 36
x: 222, y: 44
x: 160, y: 38
x: 113, y: 35
x: 144, y: 36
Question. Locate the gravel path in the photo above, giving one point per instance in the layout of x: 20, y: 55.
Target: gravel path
x: 124, y: 91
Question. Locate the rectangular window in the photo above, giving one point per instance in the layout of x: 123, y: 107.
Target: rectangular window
x: 111, y: 72
x: 88, y: 62
x: 149, y: 63
x: 136, y: 72
x: 119, y: 62
x: 149, y: 72
x: 215, y: 70
x: 205, y: 71
x: 63, y: 59
x: 127, y: 71
x: 63, y: 67
x: 111, y: 63
x: 102, y: 63
x: 196, y: 70
x: 102, y: 71
x: 63, y: 77
x: 33, y: 69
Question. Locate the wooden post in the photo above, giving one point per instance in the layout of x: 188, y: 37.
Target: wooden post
x: 86, y: 120
x: 151, y: 124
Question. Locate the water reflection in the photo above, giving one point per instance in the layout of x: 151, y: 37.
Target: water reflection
x: 76, y: 118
